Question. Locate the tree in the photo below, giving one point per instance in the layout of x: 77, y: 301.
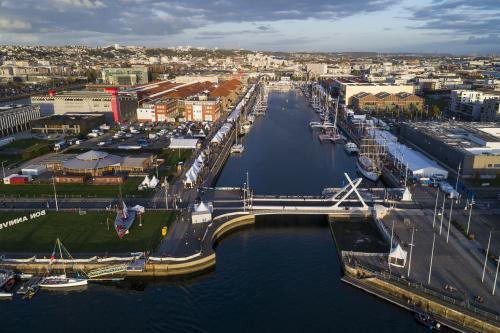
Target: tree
x: 434, y: 111
x: 91, y: 75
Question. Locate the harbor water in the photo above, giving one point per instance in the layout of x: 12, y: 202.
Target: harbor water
x: 281, y: 275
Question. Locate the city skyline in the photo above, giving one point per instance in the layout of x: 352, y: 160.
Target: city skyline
x: 445, y: 26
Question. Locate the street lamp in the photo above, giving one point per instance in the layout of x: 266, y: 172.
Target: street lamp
x: 411, y: 250
x: 432, y: 257
x: 496, y: 277
x: 3, y: 168
x: 470, y: 213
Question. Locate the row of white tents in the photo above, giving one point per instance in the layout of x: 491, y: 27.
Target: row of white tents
x: 149, y: 183
x: 234, y: 115
x: 418, y: 164
x: 222, y: 133
x: 192, y: 174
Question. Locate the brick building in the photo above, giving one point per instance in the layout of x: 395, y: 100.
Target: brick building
x: 385, y: 101
x: 202, y: 108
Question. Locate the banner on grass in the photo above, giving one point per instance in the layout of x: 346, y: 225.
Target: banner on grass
x: 22, y: 219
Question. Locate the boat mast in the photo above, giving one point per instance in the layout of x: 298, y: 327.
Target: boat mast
x: 60, y: 253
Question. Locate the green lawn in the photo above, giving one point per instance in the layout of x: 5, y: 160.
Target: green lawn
x: 128, y: 188
x: 81, y: 233
x: 172, y: 157
x: 24, y: 143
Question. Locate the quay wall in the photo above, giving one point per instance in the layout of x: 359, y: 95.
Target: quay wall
x: 413, y: 301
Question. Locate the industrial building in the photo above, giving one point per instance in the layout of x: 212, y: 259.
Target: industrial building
x: 126, y: 76
x: 17, y: 118
x: 475, y: 147
x: 228, y: 92
x: 346, y: 89
x: 116, y: 106
x: 68, y: 123
x: 385, y: 101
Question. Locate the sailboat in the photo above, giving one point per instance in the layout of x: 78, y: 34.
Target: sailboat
x: 237, y: 148
x: 368, y: 158
x: 331, y: 132
x: 125, y: 216
x: 62, y: 281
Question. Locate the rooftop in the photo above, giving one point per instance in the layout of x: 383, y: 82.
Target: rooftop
x: 475, y: 138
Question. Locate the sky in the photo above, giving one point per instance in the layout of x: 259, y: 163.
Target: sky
x: 423, y: 26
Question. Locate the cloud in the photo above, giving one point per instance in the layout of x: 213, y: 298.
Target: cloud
x: 465, y: 17
x: 163, y: 18
x: 12, y: 25
x: 489, y: 39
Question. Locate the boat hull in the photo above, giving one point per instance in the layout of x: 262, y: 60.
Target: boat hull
x: 373, y: 176
x: 69, y: 284
x: 4, y: 295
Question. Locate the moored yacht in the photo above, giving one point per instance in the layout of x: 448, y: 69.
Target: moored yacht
x: 7, y: 282
x: 368, y: 168
x: 55, y: 282
x: 61, y: 282
x: 351, y: 148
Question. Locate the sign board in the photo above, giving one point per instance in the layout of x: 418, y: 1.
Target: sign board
x: 10, y: 223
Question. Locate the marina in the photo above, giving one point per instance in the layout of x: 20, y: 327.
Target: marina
x: 244, y: 193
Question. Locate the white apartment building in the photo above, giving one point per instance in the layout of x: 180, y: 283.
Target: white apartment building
x: 470, y: 104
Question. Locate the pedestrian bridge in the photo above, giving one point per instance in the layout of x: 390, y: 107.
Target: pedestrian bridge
x: 347, y: 201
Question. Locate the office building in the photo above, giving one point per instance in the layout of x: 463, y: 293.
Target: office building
x: 126, y: 76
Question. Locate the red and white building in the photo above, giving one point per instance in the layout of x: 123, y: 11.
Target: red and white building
x: 162, y: 110
x: 202, y: 108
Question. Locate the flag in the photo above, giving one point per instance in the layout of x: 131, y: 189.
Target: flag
x: 53, y: 257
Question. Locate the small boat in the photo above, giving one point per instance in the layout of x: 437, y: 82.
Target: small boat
x: 5, y: 295
x: 427, y: 321
x: 56, y: 282
x: 351, y: 148
x: 30, y: 287
x: 7, y: 282
x: 368, y: 168
x: 62, y: 281
x: 237, y: 149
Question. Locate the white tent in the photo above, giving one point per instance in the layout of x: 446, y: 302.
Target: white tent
x: 154, y: 182
x: 397, y: 257
x: 418, y: 164
x: 180, y: 143
x: 144, y: 184
x: 202, y: 213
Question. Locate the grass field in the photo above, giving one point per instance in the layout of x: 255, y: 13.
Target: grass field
x: 128, y: 188
x: 24, y: 143
x: 172, y: 157
x: 81, y: 233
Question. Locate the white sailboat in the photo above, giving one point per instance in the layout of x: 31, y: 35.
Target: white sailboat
x: 61, y: 281
x: 351, y: 148
x: 237, y: 148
